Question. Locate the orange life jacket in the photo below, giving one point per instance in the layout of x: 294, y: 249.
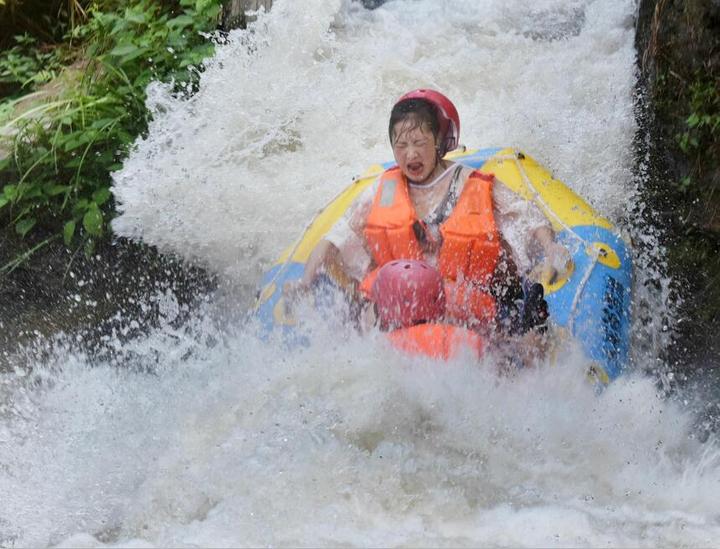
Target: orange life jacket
x: 437, y: 340
x: 470, y: 250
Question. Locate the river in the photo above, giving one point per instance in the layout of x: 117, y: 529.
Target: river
x: 199, y: 432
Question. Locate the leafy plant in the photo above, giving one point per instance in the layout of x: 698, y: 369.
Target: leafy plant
x: 26, y: 65
x: 700, y: 138
x: 703, y: 123
x: 63, y: 152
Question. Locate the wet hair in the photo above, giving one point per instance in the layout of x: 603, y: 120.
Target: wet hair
x: 415, y: 113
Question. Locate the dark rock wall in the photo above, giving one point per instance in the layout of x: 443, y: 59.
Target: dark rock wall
x: 678, y: 44
x: 91, y: 296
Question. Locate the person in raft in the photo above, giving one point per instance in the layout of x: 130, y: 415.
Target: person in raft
x: 442, y: 251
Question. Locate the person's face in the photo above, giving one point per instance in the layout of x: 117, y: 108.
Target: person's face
x: 414, y: 150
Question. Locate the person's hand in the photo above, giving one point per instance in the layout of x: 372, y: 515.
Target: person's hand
x: 559, y: 257
x: 557, y: 264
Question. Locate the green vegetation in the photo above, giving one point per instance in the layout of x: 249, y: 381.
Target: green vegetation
x: 63, y: 142
x: 700, y: 140
x: 25, y: 65
x: 690, y: 114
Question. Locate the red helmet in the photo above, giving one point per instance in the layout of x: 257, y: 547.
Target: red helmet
x: 448, y: 118
x: 407, y: 292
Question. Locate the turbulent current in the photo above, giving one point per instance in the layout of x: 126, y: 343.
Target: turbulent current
x: 202, y: 433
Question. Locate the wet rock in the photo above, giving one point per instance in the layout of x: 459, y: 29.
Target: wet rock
x: 678, y: 46
x: 124, y: 286
x: 238, y: 13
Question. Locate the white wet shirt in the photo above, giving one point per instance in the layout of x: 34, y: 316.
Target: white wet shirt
x: 515, y: 217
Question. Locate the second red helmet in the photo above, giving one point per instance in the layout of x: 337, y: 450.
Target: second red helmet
x: 448, y: 118
x: 407, y: 292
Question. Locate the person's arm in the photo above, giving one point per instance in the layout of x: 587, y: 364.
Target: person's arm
x: 323, y: 254
x: 546, y: 258
x: 343, y: 239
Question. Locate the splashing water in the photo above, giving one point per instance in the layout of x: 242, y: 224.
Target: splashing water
x: 204, y: 434
x: 289, y: 113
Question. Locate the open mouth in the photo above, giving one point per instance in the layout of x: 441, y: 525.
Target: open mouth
x: 415, y: 168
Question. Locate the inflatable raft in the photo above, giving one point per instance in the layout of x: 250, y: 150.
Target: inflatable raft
x: 592, y: 302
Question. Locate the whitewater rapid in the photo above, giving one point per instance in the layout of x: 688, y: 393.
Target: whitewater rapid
x: 201, y: 433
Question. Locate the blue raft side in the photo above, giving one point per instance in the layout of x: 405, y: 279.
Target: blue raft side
x: 601, y: 318
x: 478, y: 158
x: 288, y: 272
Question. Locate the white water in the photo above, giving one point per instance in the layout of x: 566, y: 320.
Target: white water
x: 229, y: 440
